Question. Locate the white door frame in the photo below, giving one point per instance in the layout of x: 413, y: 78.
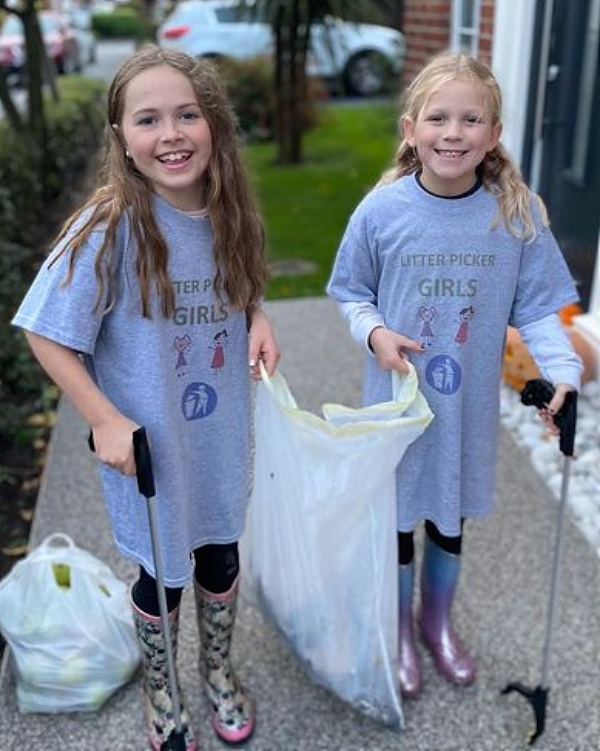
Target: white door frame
x: 511, y: 61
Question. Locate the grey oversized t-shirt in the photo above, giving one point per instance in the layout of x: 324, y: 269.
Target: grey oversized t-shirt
x: 437, y: 273
x: 186, y: 380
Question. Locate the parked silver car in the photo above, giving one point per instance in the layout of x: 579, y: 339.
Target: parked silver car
x: 80, y: 18
x: 361, y: 56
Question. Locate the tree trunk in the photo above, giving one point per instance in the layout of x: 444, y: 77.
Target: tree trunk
x: 12, y: 113
x: 148, y: 12
x: 39, y: 71
x: 279, y: 77
x: 291, y: 43
x: 291, y: 22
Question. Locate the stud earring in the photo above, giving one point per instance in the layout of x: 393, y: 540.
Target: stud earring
x: 127, y: 154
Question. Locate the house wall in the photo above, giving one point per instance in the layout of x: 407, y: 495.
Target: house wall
x: 506, y: 43
x: 427, y: 28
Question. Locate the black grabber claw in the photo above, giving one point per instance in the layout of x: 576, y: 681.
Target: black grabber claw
x: 538, y: 698
x: 538, y: 393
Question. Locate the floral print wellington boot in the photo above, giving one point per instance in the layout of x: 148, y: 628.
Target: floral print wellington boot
x: 234, y: 714
x: 158, y: 706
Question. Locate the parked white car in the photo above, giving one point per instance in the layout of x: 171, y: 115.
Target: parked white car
x: 361, y: 56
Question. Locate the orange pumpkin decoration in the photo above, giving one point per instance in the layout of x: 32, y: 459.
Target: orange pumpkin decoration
x: 569, y: 312
x: 519, y: 366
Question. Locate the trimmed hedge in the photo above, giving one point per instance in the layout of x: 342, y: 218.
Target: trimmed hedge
x: 30, y: 215
x: 121, y: 23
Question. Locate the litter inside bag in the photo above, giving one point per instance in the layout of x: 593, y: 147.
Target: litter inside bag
x: 319, y: 551
x: 68, y: 623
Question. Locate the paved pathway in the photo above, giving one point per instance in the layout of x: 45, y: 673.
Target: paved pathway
x: 501, y: 609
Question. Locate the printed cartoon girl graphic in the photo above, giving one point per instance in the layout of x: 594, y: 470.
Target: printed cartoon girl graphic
x: 462, y: 334
x: 219, y: 344
x: 181, y: 345
x: 426, y: 314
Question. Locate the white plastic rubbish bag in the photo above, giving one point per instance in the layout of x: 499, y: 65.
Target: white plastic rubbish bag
x: 68, y: 623
x: 319, y: 552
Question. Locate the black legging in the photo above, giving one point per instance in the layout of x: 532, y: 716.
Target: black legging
x: 216, y: 568
x: 406, y: 542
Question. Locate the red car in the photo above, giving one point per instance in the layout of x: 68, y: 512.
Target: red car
x: 60, y: 40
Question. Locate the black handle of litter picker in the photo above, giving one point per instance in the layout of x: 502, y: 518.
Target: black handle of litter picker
x: 143, y: 461
x: 538, y: 393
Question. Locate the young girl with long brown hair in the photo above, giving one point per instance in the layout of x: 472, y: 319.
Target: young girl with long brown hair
x: 164, y: 263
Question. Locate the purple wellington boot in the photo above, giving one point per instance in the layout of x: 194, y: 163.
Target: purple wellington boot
x: 409, y: 661
x: 439, y: 579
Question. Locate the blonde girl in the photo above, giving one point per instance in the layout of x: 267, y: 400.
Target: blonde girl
x: 435, y: 262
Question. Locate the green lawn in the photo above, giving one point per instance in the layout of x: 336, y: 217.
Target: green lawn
x: 306, y: 207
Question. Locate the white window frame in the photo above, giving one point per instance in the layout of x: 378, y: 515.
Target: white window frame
x: 466, y: 38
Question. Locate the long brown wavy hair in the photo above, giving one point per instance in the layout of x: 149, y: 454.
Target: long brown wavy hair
x: 239, y: 246
x: 497, y: 171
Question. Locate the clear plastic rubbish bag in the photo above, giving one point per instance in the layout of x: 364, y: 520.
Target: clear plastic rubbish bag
x: 68, y: 623
x: 319, y: 551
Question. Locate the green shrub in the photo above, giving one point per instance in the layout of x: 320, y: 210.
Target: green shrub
x: 249, y: 84
x: 28, y: 222
x: 122, y: 23
x: 20, y: 191
x: 20, y: 376
x: 75, y: 125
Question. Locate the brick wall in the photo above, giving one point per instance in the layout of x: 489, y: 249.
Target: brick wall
x: 427, y: 26
x: 486, y: 31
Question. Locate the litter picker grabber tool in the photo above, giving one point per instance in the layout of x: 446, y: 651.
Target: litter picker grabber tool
x: 145, y: 481
x: 538, y: 393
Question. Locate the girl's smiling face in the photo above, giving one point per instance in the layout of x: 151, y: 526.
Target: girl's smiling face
x: 167, y: 136
x: 452, y: 134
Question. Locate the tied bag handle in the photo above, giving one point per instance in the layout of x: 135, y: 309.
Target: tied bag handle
x: 69, y: 556
x: 51, y: 540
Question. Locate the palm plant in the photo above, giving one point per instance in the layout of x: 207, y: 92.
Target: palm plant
x: 292, y: 22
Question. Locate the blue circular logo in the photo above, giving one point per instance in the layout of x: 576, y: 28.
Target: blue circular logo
x: 199, y: 400
x: 443, y: 374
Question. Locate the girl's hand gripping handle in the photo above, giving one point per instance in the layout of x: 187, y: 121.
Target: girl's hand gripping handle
x: 538, y: 393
